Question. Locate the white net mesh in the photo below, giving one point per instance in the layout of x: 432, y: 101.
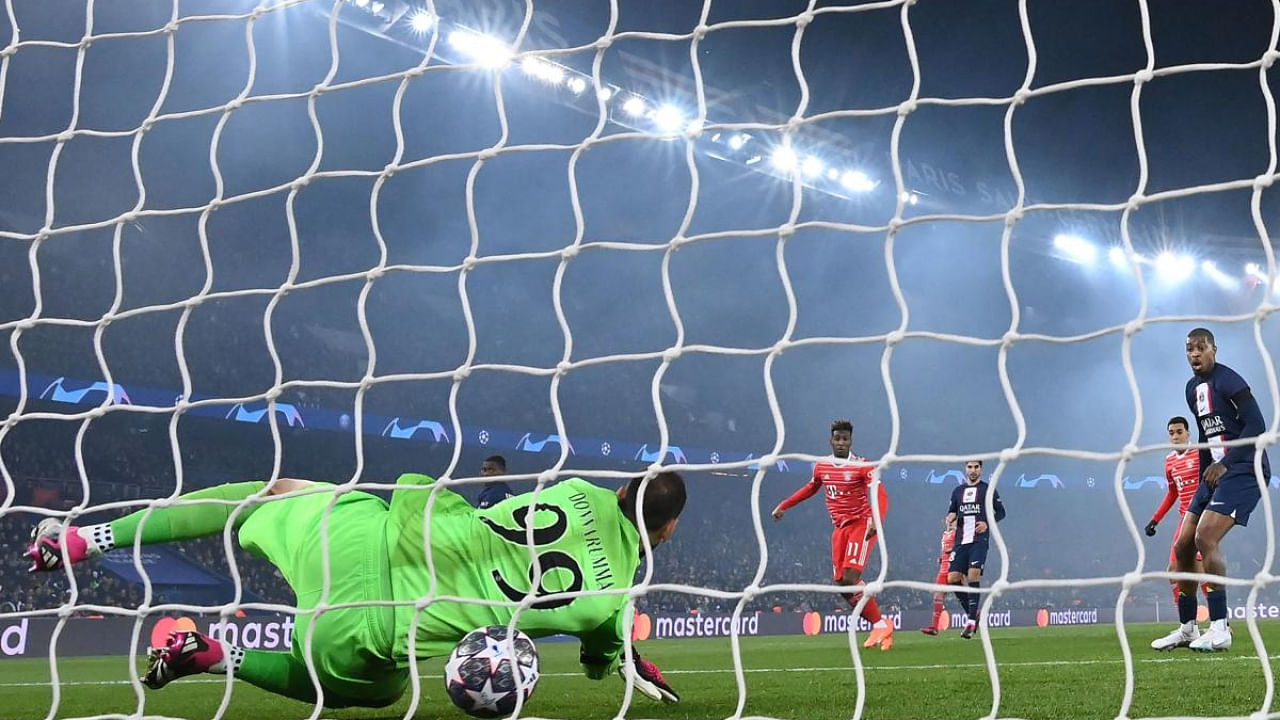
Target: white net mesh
x: 431, y: 46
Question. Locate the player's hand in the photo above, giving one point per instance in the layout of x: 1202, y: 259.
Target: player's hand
x: 1151, y: 529
x: 649, y: 680
x: 981, y: 527
x: 871, y: 531
x: 1213, y: 474
x: 778, y: 512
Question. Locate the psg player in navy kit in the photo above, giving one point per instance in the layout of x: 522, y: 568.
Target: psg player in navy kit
x: 968, y: 513
x: 1224, y: 409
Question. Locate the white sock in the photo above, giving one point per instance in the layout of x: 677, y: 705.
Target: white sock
x: 232, y: 659
x: 99, y: 538
x: 1188, y: 627
x: 1218, y: 625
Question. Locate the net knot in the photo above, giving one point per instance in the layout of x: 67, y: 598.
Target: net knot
x: 603, y: 42
x: 1128, y: 452
x: 1008, y: 455
x: 273, y: 392
x: 390, y: 170
x: 1133, y: 327
x: 66, y: 136
x: 700, y: 32
x: 563, y: 367
x: 235, y: 104
x: 10, y: 50
x: 570, y: 252
x: 461, y: 373
x: 672, y: 353
x: 171, y: 28
x: 895, y: 337
x: 546, y: 477
x: 1014, y: 215
x: 767, y: 461
x: 487, y: 154
x: 907, y: 107
x: 1263, y: 181
x: 787, y: 230
x: 804, y: 18
x: 1143, y: 76
x: 300, y: 182
x: 1269, y: 58
x: 469, y: 263
x: 1021, y: 96
x: 1131, y: 579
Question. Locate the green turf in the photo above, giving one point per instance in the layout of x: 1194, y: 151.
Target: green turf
x: 1059, y: 673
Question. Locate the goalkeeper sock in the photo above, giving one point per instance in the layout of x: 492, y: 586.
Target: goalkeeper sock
x: 937, y: 613
x: 1186, y: 608
x: 1217, y: 601
x: 277, y: 672
x: 975, y: 601
x: 182, y: 522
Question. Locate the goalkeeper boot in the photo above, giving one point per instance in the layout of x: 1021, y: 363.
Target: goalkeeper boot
x: 1216, y: 639
x: 1182, y: 636
x: 186, y: 653
x: 929, y: 630
x: 969, y: 629
x: 48, y: 541
x: 649, y: 680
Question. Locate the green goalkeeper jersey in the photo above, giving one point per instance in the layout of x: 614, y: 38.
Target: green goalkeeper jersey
x: 582, y: 541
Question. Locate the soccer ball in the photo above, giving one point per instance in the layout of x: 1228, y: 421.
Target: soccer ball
x: 482, y: 677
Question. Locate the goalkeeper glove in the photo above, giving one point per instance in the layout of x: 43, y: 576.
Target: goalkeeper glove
x: 1151, y: 529
x: 648, y: 679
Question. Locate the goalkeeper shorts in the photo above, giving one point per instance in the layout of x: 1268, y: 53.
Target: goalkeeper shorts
x: 351, y: 647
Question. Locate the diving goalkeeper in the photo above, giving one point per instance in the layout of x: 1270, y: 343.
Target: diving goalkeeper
x: 586, y: 538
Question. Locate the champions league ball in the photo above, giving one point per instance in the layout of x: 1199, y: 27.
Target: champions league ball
x: 484, y: 679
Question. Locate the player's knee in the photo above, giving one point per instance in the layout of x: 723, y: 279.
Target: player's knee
x: 282, y: 486
x: 1205, y: 543
x: 955, y: 578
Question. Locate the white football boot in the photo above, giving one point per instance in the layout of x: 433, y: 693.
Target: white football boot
x: 1216, y: 639
x: 1182, y: 636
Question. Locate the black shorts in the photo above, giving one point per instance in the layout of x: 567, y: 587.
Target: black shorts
x: 972, y: 555
x: 1236, y: 495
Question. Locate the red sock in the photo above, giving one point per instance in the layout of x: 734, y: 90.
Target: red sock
x: 1174, y: 584
x: 1204, y: 588
x: 937, y: 613
x: 870, y: 611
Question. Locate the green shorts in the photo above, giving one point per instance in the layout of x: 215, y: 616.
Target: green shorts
x: 351, y: 647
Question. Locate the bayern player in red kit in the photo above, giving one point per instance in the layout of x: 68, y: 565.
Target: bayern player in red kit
x: 847, y: 480
x: 944, y: 564
x: 1182, y: 475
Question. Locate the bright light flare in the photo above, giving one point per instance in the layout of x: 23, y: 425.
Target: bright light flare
x: 1174, y: 267
x: 1076, y: 248
x: 485, y: 50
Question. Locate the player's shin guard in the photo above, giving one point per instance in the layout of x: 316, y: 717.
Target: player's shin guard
x: 186, y: 521
x: 974, y: 602
x: 1186, y: 608
x: 1217, y: 601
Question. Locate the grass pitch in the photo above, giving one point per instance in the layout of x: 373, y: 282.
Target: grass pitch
x: 1071, y: 673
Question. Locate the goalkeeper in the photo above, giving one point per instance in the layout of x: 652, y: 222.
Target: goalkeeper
x: 585, y: 538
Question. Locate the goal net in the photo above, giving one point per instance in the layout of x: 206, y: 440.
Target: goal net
x: 347, y: 240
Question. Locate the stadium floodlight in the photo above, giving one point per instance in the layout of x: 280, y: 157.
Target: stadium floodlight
x: 421, y: 21
x: 577, y: 85
x: 1174, y: 267
x: 737, y: 141
x: 909, y: 198
x: 668, y: 118
x: 1255, y: 270
x: 784, y: 158
x: 606, y: 93
x: 485, y: 50
x: 694, y: 127
x: 1076, y: 248
x: 857, y: 181
x: 1117, y: 256
x: 833, y: 174
x: 1223, y: 280
x: 377, y: 7
x: 542, y: 69
x: 812, y: 166
x: 362, y: 3
x: 634, y: 106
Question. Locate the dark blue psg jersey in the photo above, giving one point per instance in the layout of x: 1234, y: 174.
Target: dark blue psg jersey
x: 1214, y: 398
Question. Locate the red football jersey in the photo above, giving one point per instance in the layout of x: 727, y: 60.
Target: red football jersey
x: 948, y: 541
x: 1182, y: 474
x: 845, y: 483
